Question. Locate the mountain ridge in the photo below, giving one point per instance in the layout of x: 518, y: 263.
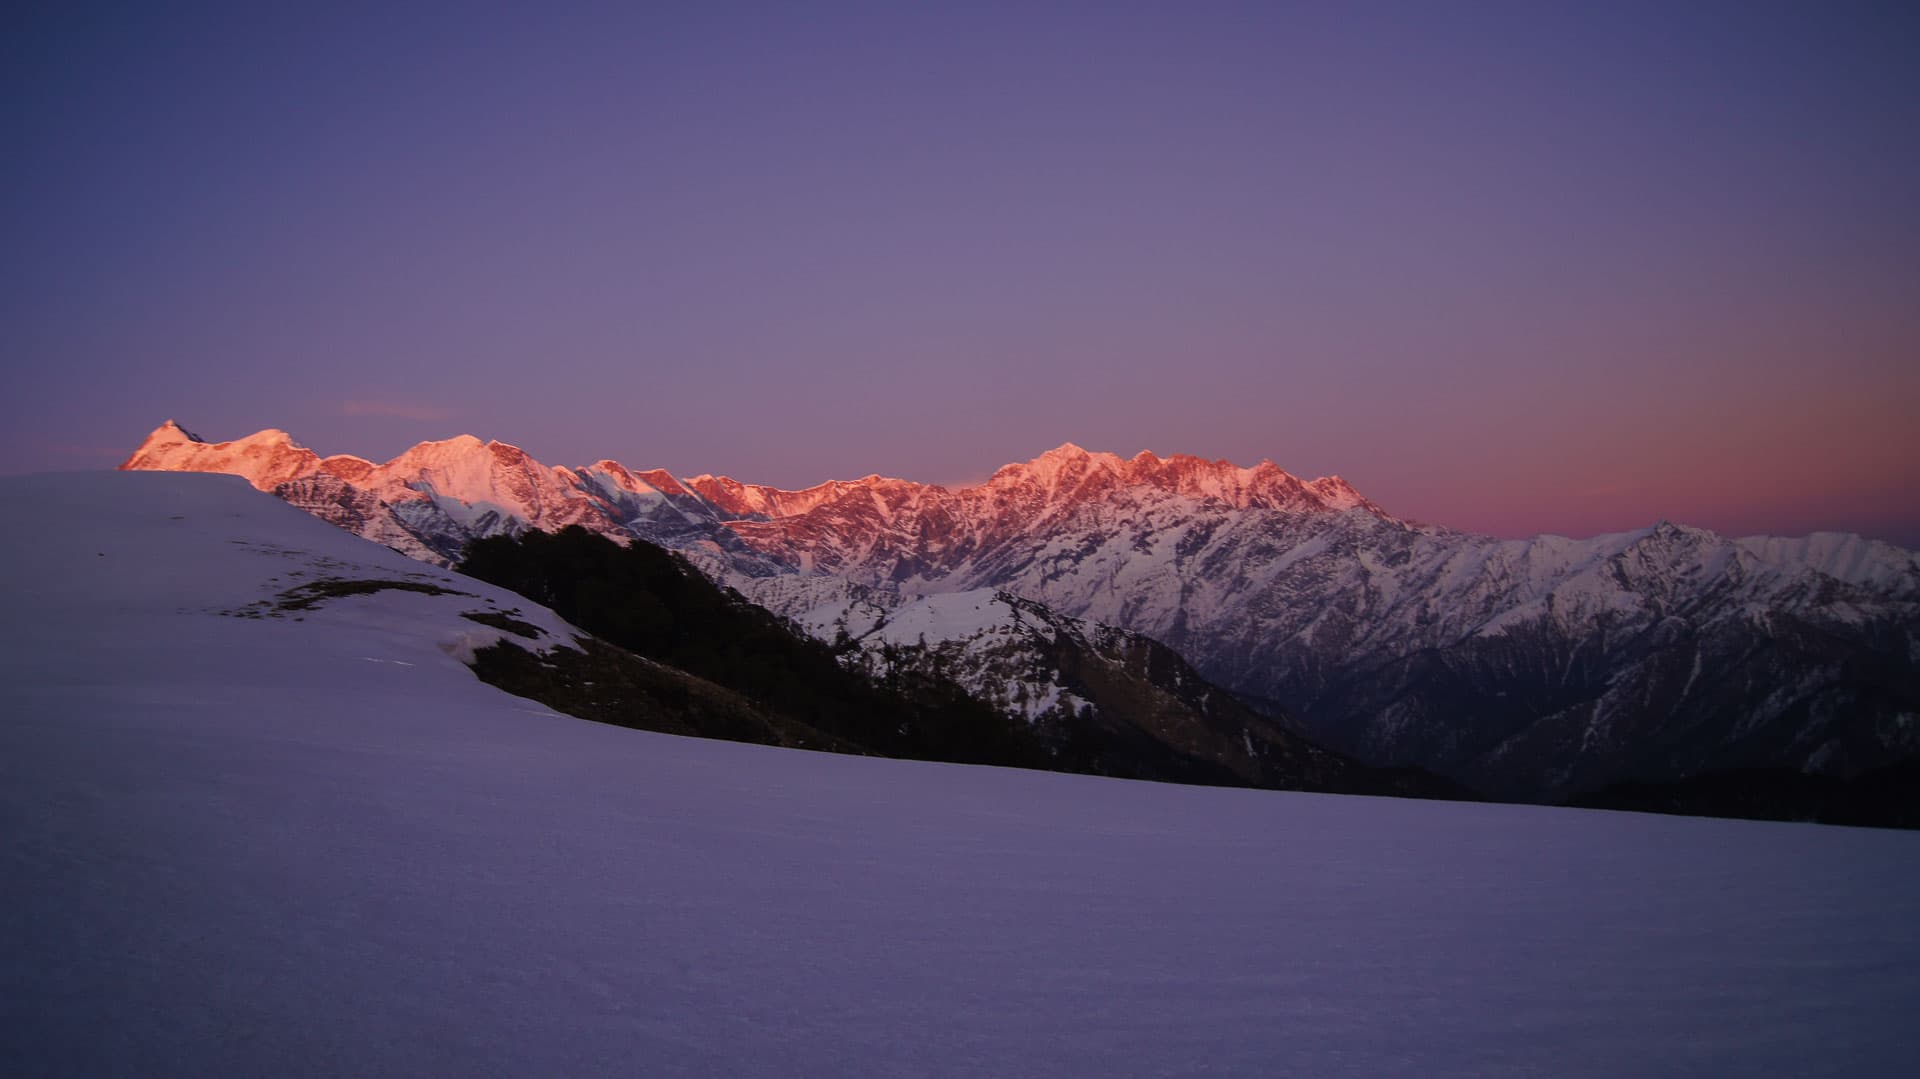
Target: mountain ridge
x: 1534, y: 668
x: 270, y: 456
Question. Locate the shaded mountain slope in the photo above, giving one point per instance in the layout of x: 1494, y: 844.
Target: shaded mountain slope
x: 1139, y: 711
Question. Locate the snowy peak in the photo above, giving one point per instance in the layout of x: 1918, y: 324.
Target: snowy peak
x: 1264, y: 486
x: 1338, y: 494
x: 174, y: 429
x: 1066, y: 469
x: 265, y: 459
x: 773, y: 503
x: 437, y: 454
x: 1076, y: 474
x: 612, y: 480
x: 1068, y: 459
x: 434, y: 497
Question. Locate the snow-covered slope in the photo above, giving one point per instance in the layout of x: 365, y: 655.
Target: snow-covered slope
x: 1535, y: 668
x: 1104, y: 700
x: 985, y: 637
x: 237, y: 845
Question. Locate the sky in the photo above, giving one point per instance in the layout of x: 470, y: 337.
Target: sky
x: 1508, y: 267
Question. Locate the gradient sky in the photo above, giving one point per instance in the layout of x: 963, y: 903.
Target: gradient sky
x: 1510, y: 267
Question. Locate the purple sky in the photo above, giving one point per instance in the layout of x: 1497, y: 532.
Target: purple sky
x: 1510, y: 267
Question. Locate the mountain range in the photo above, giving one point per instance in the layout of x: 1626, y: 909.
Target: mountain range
x: 1536, y: 669
x: 260, y: 818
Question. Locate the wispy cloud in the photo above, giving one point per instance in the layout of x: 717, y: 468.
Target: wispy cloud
x: 396, y: 409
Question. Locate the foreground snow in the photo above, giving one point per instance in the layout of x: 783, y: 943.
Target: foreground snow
x: 263, y: 846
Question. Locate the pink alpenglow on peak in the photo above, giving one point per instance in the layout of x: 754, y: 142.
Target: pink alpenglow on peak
x: 265, y: 458
x: 447, y: 492
x: 1074, y: 471
x: 468, y: 469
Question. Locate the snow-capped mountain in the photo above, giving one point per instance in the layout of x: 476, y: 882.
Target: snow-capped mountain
x: 1532, y: 668
x: 318, y: 845
x: 430, y: 501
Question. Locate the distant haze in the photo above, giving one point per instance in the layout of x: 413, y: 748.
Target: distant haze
x: 1507, y: 267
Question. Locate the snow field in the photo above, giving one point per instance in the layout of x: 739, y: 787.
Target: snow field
x: 236, y: 845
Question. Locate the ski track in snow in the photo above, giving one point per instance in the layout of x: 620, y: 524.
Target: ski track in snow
x: 233, y: 846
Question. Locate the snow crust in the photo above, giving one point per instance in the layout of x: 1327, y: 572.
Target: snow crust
x: 240, y: 846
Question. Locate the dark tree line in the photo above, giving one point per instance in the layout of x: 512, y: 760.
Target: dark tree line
x: 651, y: 603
